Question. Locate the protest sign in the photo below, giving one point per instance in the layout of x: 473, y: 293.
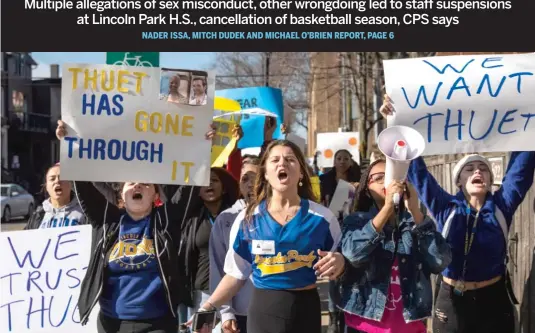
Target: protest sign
x: 329, y: 143
x: 269, y: 99
x: 226, y: 117
x: 40, y: 278
x: 122, y: 126
x: 462, y: 104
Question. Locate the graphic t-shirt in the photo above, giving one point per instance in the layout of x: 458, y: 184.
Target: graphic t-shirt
x: 392, y: 321
x: 133, y: 288
x: 281, y: 257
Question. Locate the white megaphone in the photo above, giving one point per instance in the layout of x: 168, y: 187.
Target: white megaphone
x: 400, y: 145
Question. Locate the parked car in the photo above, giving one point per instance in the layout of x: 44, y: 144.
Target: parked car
x: 16, y: 202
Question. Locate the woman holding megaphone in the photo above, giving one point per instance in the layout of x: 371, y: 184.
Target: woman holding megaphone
x: 475, y: 293
x: 391, y: 249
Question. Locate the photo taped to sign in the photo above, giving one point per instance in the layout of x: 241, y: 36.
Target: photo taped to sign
x: 119, y: 129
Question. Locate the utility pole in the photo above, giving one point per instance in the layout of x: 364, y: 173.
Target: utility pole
x: 267, y: 56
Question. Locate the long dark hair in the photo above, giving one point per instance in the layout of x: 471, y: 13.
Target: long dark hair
x: 263, y: 190
x: 363, y: 198
x: 353, y: 173
x: 231, y: 190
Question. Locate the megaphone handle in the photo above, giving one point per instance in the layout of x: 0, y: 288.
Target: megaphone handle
x: 396, y: 198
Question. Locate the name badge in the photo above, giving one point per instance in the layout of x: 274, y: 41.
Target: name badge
x: 263, y: 247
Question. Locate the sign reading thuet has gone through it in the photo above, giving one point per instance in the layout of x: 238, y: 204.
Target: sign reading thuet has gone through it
x: 119, y: 129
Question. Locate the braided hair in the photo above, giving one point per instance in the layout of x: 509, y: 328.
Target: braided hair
x: 363, y: 198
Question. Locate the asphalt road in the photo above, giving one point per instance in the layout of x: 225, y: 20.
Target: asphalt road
x: 13, y: 225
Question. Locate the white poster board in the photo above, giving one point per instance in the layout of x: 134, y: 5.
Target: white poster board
x: 329, y: 143
x: 40, y: 278
x: 468, y: 103
x: 343, y: 198
x: 120, y: 128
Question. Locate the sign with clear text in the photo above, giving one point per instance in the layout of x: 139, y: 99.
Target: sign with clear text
x: 464, y: 104
x: 120, y: 128
x: 266, y: 98
x: 40, y: 279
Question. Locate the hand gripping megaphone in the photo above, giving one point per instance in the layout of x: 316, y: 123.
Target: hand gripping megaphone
x: 400, y: 145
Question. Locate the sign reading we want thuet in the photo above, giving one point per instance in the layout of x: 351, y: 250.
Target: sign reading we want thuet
x: 119, y: 129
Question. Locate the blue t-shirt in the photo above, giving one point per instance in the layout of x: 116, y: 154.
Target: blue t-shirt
x: 133, y: 289
x: 281, y: 257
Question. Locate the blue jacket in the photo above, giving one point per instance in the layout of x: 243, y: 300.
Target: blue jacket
x: 422, y: 251
x: 486, y: 259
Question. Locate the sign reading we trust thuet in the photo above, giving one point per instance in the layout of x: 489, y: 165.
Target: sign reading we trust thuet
x: 120, y: 128
x: 461, y: 104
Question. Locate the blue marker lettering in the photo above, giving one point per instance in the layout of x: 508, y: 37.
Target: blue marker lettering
x: 429, y: 123
x: 30, y: 312
x: 9, y: 312
x: 487, y: 80
x: 114, y: 149
x: 67, y: 241
x: 28, y: 255
x: 10, y: 275
x: 57, y: 280
x: 483, y: 64
x: 68, y: 273
x: 519, y: 80
x: 528, y: 117
x: 421, y: 92
x: 506, y: 120
x: 448, y: 66
x: 86, y: 104
x: 31, y: 280
x: 64, y: 313
x: 459, y: 124
x: 456, y: 86
x: 488, y: 129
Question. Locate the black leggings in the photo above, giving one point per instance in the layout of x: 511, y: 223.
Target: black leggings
x: 485, y: 310
x: 106, y: 324
x: 284, y: 311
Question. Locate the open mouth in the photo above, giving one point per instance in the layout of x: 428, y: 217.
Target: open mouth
x: 137, y: 196
x: 58, y: 190
x: 282, y: 175
x: 477, y: 181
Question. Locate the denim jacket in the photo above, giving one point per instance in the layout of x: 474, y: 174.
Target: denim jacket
x: 363, y: 287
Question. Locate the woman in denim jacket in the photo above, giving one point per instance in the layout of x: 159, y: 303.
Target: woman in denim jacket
x: 386, y: 287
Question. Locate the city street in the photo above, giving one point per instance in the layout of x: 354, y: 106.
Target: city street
x: 13, y: 225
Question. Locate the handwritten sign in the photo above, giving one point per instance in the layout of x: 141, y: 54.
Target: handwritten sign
x: 120, y: 130
x: 329, y: 143
x: 40, y: 278
x: 266, y: 98
x: 461, y: 104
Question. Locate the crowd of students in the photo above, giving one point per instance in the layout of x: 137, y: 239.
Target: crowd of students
x: 253, y: 244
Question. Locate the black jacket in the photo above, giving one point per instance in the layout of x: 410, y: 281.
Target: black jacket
x: 105, y: 217
x: 188, y: 252
x: 35, y: 219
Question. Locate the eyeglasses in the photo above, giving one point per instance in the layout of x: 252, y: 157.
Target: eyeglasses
x: 378, y: 178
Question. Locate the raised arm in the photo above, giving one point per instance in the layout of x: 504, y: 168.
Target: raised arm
x: 434, y: 197
x: 94, y: 204
x: 516, y: 183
